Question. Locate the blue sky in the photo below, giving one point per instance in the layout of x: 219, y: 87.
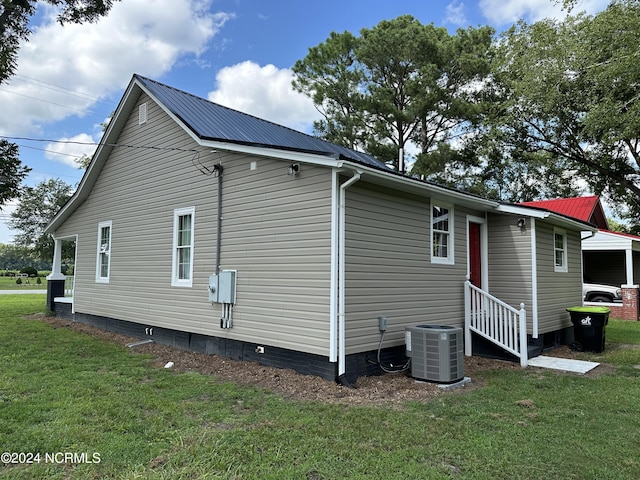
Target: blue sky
x: 235, y: 52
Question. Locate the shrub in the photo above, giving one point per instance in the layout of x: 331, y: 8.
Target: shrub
x: 32, y: 272
x: 39, y: 281
x: 19, y: 281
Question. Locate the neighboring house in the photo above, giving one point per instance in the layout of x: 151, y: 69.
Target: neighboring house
x: 609, y: 258
x: 588, y: 209
x: 212, y: 230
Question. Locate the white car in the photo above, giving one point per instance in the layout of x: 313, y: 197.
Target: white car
x: 593, y: 292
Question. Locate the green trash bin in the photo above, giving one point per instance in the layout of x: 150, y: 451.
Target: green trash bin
x: 589, y: 324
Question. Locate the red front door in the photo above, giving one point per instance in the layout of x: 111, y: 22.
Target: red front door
x: 475, y: 255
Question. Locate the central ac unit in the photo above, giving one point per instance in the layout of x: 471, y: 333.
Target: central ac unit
x: 436, y: 352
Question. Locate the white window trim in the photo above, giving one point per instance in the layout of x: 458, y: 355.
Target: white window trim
x: 450, y: 259
x: 99, y: 277
x: 565, y: 257
x: 177, y: 213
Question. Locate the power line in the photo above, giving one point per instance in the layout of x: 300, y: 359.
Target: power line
x: 49, y: 151
x: 99, y: 144
x: 58, y: 88
x: 45, y: 101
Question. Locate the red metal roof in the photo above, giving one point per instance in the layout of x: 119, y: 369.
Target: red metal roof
x: 587, y: 209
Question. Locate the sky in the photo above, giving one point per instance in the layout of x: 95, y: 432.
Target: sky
x: 238, y: 53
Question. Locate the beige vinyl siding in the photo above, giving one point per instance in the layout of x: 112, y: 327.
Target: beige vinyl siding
x: 389, y: 270
x: 510, y: 265
x: 275, y: 233
x: 557, y: 290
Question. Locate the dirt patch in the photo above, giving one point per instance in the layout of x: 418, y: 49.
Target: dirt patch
x: 388, y: 389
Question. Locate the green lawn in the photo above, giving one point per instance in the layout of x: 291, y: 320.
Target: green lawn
x: 9, y: 283
x: 62, y: 391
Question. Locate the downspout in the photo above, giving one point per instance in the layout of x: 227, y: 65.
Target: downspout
x: 534, y: 280
x: 333, y: 294
x: 341, y: 278
x: 218, y: 173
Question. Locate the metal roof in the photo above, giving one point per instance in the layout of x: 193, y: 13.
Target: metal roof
x: 210, y: 121
x: 588, y: 209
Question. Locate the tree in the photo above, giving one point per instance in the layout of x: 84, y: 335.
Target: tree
x: 13, y: 257
x: 569, y: 93
x: 12, y: 172
x: 400, y: 83
x: 37, y: 207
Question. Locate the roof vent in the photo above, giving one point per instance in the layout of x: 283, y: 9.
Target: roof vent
x: 142, y: 113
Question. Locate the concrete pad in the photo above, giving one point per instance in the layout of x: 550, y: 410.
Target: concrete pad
x: 564, y: 364
x: 459, y: 383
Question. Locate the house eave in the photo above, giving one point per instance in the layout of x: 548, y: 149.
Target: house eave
x: 610, y: 241
x: 555, y: 218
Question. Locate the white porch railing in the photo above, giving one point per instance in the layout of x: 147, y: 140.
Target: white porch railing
x: 496, y: 321
x: 69, y: 282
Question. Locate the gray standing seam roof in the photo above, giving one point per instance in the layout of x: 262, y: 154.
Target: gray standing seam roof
x: 210, y: 121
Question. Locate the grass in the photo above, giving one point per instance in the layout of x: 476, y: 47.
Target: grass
x: 9, y: 283
x: 62, y: 391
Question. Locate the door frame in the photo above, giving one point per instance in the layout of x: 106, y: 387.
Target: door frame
x: 484, y: 250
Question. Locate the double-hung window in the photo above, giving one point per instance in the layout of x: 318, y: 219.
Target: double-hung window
x: 103, y: 257
x: 182, y: 271
x: 560, y: 250
x: 441, y: 233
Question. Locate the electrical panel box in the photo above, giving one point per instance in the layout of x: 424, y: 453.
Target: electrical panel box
x: 382, y: 324
x: 222, y: 287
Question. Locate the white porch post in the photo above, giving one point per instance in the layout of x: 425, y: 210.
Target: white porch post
x: 629, y: 266
x: 467, y: 318
x: 524, y: 351
x: 55, y: 280
x: 56, y: 268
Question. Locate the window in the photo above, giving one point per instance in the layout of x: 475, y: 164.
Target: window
x: 103, y: 262
x: 560, y: 250
x: 183, y: 220
x: 441, y: 234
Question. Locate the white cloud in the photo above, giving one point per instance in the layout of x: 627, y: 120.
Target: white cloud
x: 76, y: 65
x: 455, y: 14
x: 510, y: 11
x: 264, y: 92
x: 68, y: 150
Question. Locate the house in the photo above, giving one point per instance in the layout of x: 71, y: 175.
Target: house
x: 609, y: 258
x: 212, y: 230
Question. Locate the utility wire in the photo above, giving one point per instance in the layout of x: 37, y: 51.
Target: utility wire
x: 45, y: 101
x: 53, y: 152
x: 100, y: 144
x: 57, y: 88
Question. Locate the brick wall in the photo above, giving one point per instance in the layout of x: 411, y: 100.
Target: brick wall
x: 629, y: 308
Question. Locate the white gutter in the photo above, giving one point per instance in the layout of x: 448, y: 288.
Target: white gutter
x: 335, y: 242
x: 341, y: 271
x: 534, y: 280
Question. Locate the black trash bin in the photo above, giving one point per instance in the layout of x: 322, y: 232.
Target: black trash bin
x: 589, y: 325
